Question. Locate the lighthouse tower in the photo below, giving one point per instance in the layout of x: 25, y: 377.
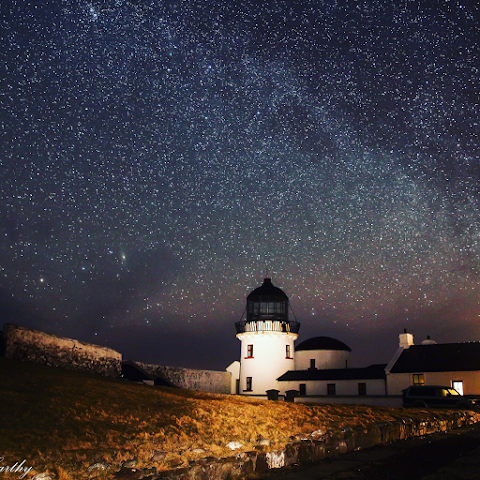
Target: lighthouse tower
x: 267, y: 338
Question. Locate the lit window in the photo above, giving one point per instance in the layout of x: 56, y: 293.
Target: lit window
x: 331, y: 389
x: 248, y: 384
x: 418, y: 379
x: 362, y: 388
x: 249, y: 351
x: 458, y: 386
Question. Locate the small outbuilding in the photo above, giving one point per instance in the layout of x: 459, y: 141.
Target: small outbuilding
x: 322, y: 353
x: 454, y: 365
x: 334, y: 382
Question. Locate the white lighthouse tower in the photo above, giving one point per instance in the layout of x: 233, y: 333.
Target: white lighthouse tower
x: 267, y: 338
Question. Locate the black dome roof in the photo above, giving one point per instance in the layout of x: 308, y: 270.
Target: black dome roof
x: 322, y: 343
x: 267, y: 290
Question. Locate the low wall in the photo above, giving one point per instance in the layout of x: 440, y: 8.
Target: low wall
x: 25, y: 344
x: 394, y: 401
x: 190, y: 379
x: 310, y: 449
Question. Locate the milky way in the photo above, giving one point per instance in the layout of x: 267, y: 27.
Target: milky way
x: 158, y: 159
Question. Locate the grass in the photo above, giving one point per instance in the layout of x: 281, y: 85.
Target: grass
x: 63, y: 422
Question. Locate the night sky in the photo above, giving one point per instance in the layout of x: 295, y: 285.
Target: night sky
x: 158, y: 157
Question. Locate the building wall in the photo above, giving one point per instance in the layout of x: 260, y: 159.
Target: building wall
x: 342, y: 387
x: 471, y: 381
x: 268, y: 361
x: 234, y: 370
x: 191, y: 379
x: 394, y: 401
x: 324, y: 359
x: 22, y: 343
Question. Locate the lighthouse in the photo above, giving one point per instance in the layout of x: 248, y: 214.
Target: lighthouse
x: 267, y: 337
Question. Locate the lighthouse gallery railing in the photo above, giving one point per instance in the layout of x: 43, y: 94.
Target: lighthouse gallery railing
x: 267, y: 326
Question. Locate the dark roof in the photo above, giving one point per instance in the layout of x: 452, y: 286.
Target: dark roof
x: 442, y: 357
x: 367, y: 373
x: 322, y: 343
x: 133, y: 372
x: 267, y: 289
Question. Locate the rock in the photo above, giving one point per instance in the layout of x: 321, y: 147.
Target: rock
x: 44, y: 476
x: 129, y: 463
x: 275, y: 459
x: 158, y: 456
x: 200, y: 451
x: 193, y: 463
x: 128, y: 474
x: 262, y: 443
x: 175, y: 462
x: 98, y: 466
x: 202, y: 461
x: 300, y: 437
x: 148, y: 472
x: 234, y: 445
x: 317, y: 433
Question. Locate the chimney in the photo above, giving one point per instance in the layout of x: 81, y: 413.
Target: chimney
x: 405, y: 339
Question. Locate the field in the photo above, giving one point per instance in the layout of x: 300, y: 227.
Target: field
x: 63, y: 422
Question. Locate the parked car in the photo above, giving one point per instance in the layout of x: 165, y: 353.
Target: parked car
x: 435, y: 396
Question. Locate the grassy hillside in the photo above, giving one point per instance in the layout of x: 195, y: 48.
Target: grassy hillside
x: 63, y: 422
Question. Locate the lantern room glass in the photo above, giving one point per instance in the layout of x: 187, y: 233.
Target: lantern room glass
x: 261, y: 309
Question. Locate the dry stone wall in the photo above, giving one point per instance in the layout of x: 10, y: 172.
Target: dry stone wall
x: 308, y: 449
x: 190, y: 379
x: 25, y: 344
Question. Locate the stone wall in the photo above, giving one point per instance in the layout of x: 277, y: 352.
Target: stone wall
x: 199, y: 380
x: 22, y: 343
x: 305, y: 450
x: 25, y: 344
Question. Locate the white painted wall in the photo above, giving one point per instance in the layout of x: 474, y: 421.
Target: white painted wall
x: 405, y: 340
x: 342, y: 387
x: 471, y: 381
x: 324, y: 359
x: 269, y: 359
x: 234, y: 370
x: 379, y: 401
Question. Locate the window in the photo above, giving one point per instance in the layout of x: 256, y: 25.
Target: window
x: 312, y: 364
x: 248, y: 384
x: 302, y: 389
x: 249, y: 351
x: 418, y: 379
x: 331, y: 389
x: 458, y: 386
x: 259, y: 309
x: 287, y: 352
x: 362, y: 388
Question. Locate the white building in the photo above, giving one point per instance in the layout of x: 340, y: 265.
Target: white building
x: 454, y: 365
x: 321, y: 353
x: 336, y: 383
x: 269, y: 361
x: 319, y: 369
x: 267, y: 337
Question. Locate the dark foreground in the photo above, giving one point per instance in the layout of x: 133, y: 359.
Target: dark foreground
x: 442, y: 456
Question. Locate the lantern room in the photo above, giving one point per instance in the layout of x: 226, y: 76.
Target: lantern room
x: 267, y: 310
